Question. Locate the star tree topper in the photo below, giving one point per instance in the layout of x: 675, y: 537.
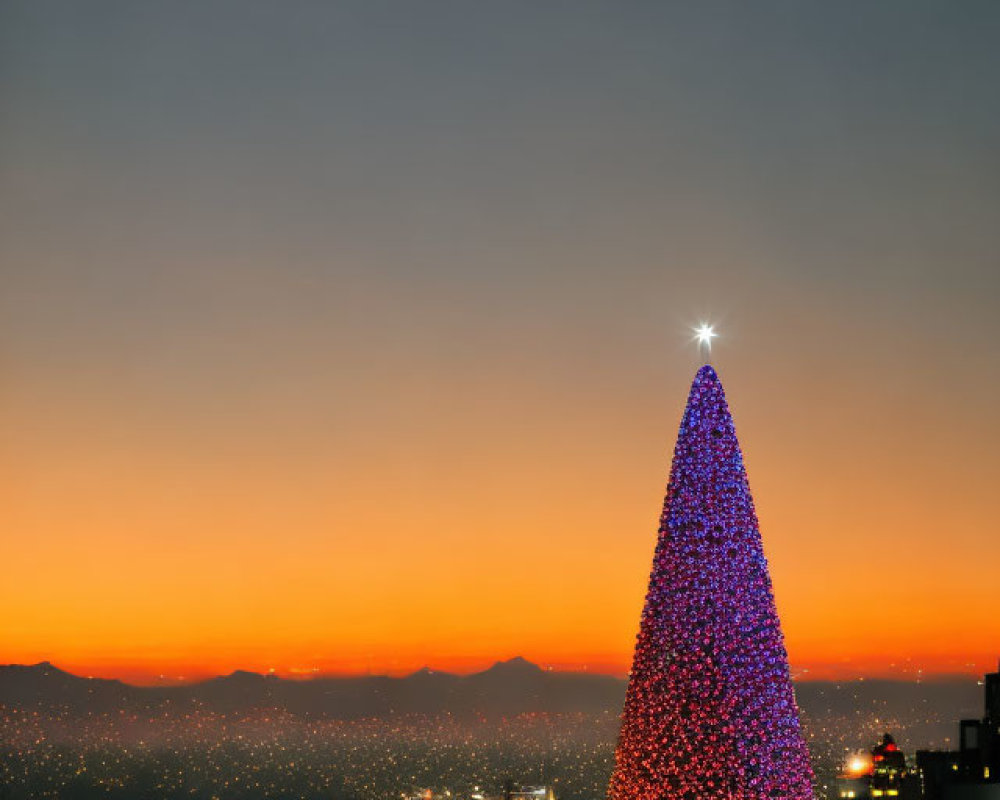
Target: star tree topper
x: 704, y: 334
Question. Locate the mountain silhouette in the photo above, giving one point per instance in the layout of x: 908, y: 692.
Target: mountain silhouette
x: 514, y: 666
x: 508, y: 688
x: 46, y: 686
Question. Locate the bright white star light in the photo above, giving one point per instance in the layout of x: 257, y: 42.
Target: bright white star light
x: 704, y: 334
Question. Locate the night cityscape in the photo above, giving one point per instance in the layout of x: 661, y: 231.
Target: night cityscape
x: 156, y: 749
x: 499, y: 400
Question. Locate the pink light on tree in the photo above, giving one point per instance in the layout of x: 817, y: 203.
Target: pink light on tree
x: 710, y: 711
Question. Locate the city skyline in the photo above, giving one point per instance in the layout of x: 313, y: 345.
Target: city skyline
x: 355, y: 339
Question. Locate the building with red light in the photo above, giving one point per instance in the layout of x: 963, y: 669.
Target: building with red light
x: 882, y: 773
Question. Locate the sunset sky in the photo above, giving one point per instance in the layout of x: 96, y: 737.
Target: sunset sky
x: 354, y: 337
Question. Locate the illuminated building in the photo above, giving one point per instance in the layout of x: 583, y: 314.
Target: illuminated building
x: 973, y: 771
x: 530, y: 793
x: 937, y: 769
x: 709, y: 711
x: 991, y: 693
x: 509, y: 791
x: 991, y: 726
x: 880, y: 774
x: 888, y: 769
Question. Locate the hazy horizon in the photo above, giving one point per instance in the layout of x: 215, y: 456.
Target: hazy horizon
x: 151, y: 680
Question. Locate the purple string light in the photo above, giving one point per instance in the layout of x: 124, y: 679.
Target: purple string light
x: 710, y: 711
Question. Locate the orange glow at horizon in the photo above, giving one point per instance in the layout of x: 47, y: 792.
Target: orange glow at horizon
x: 156, y: 555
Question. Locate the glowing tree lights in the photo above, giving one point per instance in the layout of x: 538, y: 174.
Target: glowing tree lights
x: 709, y: 711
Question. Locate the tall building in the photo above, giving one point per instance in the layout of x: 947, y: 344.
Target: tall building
x: 991, y: 725
x: 973, y: 771
x: 709, y: 711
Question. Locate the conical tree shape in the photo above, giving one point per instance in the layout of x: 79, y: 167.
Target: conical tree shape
x: 710, y: 711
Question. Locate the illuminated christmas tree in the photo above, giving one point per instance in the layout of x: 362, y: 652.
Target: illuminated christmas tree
x: 710, y: 711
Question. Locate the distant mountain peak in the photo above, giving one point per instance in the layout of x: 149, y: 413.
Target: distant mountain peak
x: 425, y: 673
x: 42, y: 667
x: 515, y: 664
x: 241, y: 675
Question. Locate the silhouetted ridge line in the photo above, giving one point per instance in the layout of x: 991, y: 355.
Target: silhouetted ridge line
x: 508, y: 687
x: 497, y: 691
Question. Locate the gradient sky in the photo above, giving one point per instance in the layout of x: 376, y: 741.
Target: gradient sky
x: 355, y: 336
